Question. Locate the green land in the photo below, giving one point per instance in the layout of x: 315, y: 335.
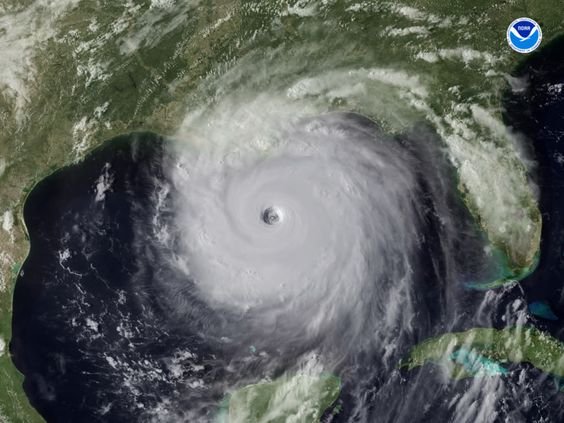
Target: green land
x: 510, y: 345
x: 298, y: 399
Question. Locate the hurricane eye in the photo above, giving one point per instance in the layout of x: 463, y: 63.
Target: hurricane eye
x: 271, y: 216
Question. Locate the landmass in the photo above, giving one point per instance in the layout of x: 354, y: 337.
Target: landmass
x: 300, y: 398
x: 481, y: 351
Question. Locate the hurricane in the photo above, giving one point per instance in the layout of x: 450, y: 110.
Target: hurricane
x: 315, y: 240
x: 316, y: 212
x: 261, y: 236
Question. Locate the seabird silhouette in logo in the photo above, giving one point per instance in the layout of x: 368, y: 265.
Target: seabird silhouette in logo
x: 524, y: 35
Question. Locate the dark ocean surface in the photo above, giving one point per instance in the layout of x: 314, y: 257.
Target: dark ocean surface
x: 538, y: 113
x: 96, y: 342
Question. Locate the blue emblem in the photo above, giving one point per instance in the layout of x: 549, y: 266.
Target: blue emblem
x: 524, y: 35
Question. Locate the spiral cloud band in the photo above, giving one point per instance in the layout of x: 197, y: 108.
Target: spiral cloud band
x: 315, y: 235
x: 311, y: 250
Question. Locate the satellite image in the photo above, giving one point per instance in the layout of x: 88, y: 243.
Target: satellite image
x: 281, y: 211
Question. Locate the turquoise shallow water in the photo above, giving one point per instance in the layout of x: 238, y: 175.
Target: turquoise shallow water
x: 476, y: 364
x: 542, y: 309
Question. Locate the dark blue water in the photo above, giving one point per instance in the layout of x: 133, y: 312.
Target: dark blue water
x: 91, y: 339
x: 538, y: 112
x: 97, y: 341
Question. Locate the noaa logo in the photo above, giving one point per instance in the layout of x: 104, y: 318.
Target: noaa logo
x: 524, y: 35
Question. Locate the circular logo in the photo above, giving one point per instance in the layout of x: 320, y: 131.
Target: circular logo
x: 524, y: 35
